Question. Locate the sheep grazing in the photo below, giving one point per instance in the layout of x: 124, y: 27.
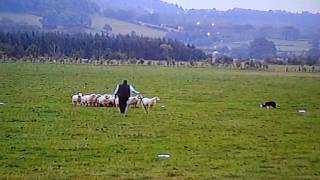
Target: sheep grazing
x: 107, y: 100
x: 76, y: 99
x: 148, y: 103
x: 88, y: 100
x: 104, y: 101
x: 269, y: 104
x: 112, y: 100
x: 95, y: 100
x: 84, y: 100
x: 92, y: 99
x: 134, y: 101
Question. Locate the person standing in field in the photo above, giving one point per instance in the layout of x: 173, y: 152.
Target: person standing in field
x: 123, y: 92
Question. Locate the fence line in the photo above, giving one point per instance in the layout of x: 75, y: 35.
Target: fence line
x: 243, y: 65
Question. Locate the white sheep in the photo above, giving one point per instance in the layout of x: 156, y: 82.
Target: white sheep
x: 95, y: 100
x: 84, y: 100
x: 113, y: 101
x: 76, y: 99
x: 104, y: 101
x: 92, y: 99
x: 134, y: 101
x: 148, y: 103
x: 88, y: 100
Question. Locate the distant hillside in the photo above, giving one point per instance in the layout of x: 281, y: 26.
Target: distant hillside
x: 97, y: 25
x: 78, y: 12
x: 53, y: 13
x: 193, y: 25
x: 29, y: 19
x: 155, y: 12
x: 155, y: 18
x: 159, y: 11
x: 122, y: 27
x: 70, y: 16
x: 139, y: 6
x: 45, y: 7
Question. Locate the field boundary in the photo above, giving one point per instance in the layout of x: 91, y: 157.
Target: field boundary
x: 238, y: 66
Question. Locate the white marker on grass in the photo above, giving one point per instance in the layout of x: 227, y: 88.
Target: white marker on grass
x: 163, y: 155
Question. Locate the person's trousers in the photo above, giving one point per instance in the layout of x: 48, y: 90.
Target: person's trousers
x: 123, y: 104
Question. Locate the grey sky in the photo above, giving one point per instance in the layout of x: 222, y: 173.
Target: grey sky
x: 288, y: 5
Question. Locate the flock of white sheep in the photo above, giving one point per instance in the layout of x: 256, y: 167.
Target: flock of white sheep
x: 109, y: 100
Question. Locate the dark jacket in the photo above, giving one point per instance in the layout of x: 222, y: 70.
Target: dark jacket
x: 123, y: 91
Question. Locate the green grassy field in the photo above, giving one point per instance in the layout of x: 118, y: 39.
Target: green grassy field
x: 211, y: 124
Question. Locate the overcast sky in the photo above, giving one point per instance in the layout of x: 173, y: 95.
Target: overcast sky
x: 288, y: 5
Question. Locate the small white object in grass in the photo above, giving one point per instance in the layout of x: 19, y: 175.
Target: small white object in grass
x: 163, y: 155
x: 162, y: 106
x: 1, y: 103
x: 302, y: 111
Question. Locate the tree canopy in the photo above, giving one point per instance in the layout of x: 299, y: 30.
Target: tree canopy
x: 86, y: 45
x: 261, y: 48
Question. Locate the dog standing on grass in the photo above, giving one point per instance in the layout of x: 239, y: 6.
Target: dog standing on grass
x: 269, y: 105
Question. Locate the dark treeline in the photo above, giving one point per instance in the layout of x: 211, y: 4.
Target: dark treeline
x: 84, y: 45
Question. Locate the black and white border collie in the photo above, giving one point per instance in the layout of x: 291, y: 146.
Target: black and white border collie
x: 269, y: 104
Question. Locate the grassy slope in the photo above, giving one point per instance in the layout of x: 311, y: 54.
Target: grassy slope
x: 118, y: 27
x: 212, y: 126
x: 121, y: 27
x: 22, y: 18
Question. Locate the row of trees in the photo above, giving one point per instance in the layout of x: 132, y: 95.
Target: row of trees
x: 83, y: 45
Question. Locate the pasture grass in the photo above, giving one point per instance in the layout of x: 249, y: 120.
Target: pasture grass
x: 211, y: 124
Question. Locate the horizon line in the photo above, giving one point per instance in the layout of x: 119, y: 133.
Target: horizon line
x: 264, y: 10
